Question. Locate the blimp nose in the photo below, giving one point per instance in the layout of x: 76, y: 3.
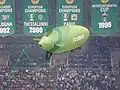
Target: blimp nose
x: 40, y: 45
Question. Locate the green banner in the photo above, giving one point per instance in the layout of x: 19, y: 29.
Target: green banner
x: 69, y: 12
x: 7, y: 18
x: 35, y: 17
x: 104, y: 17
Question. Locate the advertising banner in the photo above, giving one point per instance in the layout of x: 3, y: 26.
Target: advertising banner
x: 7, y: 18
x: 35, y: 17
x: 104, y: 17
x: 69, y: 12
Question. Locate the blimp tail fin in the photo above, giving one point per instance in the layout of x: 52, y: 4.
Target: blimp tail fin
x: 49, y: 54
x: 54, y: 48
x: 60, y: 45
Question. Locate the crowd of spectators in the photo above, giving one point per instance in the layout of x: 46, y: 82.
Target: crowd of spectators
x: 79, y: 79
x: 86, y: 70
x: 42, y: 78
x: 59, y: 78
x: 4, y: 76
x: 98, y: 54
x: 78, y: 59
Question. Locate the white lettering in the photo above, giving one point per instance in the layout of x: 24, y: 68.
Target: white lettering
x: 104, y: 9
x: 104, y: 5
x: 33, y: 7
x: 70, y: 10
x: 6, y: 10
x: 68, y: 23
x: 2, y: 24
x: 66, y: 7
x: 35, y: 23
x: 76, y: 39
x: 5, y: 30
x: 104, y: 24
x: 35, y: 30
x: 35, y: 10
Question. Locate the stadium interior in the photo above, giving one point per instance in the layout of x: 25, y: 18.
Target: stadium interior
x: 95, y: 66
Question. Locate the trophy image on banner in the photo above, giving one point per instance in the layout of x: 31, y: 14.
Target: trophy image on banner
x: 31, y: 16
x: 104, y: 16
x: 65, y: 16
x: 35, y: 1
x: 74, y: 17
x: 2, y: 2
x: 40, y: 17
x: 4, y: 17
